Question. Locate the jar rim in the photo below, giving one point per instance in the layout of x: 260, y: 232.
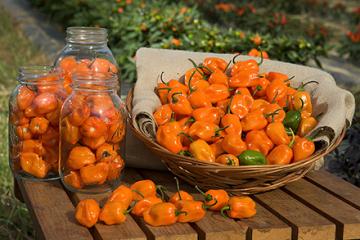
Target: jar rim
x: 33, y: 74
x: 86, y: 35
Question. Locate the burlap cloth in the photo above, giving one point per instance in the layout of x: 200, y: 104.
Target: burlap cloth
x: 336, y: 104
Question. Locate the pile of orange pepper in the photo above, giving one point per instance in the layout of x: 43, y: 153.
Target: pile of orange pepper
x: 92, y: 128
x: 141, y: 200
x: 233, y: 114
x: 35, y: 117
x: 69, y: 65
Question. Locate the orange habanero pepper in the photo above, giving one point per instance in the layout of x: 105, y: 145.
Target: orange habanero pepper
x: 217, y: 148
x: 241, y: 103
x: 258, y: 140
x: 162, y: 114
x: 204, y: 130
x: 74, y: 180
x: 276, y: 90
x: 199, y: 99
x: 306, y: 125
x: 122, y: 194
x: 142, y: 189
x: 227, y: 159
x: 79, y: 157
x: 214, y: 64
x: 303, y: 148
x: 250, y: 64
x: 38, y: 125
x: 240, y: 207
x: 23, y: 132
x: 274, y: 113
x: 34, y: 146
x: 167, y: 136
x: 179, y: 102
x: 218, y: 77
x: 259, y: 88
x: 161, y: 214
x: 277, y: 133
x: 113, y: 213
x: 201, y: 151
x: 45, y: 103
x: 244, y: 78
x: 70, y: 133
x: 215, y: 199
x: 93, y: 127
x: 144, y: 204
x: 33, y: 164
x: 87, y: 212
x: 208, y: 114
x: 24, y: 97
x: 233, y: 144
x: 217, y: 92
x: 194, y: 210
x: 254, y: 120
x: 94, y: 174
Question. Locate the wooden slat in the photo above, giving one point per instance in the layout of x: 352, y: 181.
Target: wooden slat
x: 178, y: 231
x: 337, y: 186
x: 213, y: 226
x: 346, y: 217
x: 306, y: 223
x: 266, y: 226
x: 128, y: 230
x: 52, y: 211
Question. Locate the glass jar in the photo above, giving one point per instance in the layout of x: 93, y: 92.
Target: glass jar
x: 92, y: 134
x: 86, y: 50
x: 34, y: 111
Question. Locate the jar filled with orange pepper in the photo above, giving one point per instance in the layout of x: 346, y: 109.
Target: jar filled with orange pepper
x: 86, y: 51
x: 92, y: 130
x: 34, y: 110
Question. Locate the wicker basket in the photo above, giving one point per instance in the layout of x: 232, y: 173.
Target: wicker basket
x: 239, y: 180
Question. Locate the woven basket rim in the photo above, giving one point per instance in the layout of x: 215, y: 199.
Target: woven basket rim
x: 199, y: 164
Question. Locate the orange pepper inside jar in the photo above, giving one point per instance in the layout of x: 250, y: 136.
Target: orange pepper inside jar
x: 34, y: 118
x: 92, y: 134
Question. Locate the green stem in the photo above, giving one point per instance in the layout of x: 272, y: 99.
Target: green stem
x: 219, y: 130
x: 230, y: 162
x: 227, y: 66
x: 196, y: 67
x: 261, y: 57
x: 177, y: 213
x: 174, y: 100
x: 161, y: 189
x: 225, y: 208
x: 136, y: 191
x: 178, y: 187
x: 233, y: 60
x: 186, y: 135
x: 161, y: 78
x: 301, y: 87
x: 258, y: 88
x: 291, y: 144
x: 189, y: 82
x: 206, y: 207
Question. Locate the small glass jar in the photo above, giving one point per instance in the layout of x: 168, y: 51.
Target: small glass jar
x: 34, y: 111
x: 92, y: 134
x: 86, y: 51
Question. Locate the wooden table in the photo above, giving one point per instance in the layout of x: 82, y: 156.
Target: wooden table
x: 320, y: 206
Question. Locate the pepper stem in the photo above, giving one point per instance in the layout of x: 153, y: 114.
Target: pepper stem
x: 225, y: 208
x: 233, y: 60
x: 258, y: 88
x: 129, y: 210
x: 207, y: 197
x: 227, y: 66
x: 177, y: 213
x: 229, y: 162
x: 190, y: 120
x: 161, y: 78
x: 196, y: 67
x: 301, y: 87
x: 202, y: 66
x: 138, y: 192
x: 189, y: 82
x: 275, y: 96
x: 178, y: 187
x: 175, y: 100
x: 276, y: 112
x: 291, y: 144
x: 287, y: 80
x: 219, y: 130
x: 211, y: 205
x: 186, y: 135
x: 161, y: 189
x: 228, y: 109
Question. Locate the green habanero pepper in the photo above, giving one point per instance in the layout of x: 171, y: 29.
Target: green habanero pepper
x: 292, y: 120
x: 252, y: 157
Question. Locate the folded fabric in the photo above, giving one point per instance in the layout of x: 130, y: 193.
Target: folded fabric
x: 335, y: 104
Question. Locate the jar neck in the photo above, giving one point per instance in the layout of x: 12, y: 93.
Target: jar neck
x: 86, y: 36
x: 95, y: 83
x: 41, y: 74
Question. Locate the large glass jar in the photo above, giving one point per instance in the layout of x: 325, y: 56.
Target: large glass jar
x: 34, y: 111
x: 86, y: 50
x: 92, y: 129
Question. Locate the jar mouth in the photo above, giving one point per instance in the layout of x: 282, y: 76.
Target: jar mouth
x: 36, y: 74
x: 86, y: 35
x: 95, y: 81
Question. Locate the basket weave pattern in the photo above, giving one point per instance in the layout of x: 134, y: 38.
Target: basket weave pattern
x: 239, y: 180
